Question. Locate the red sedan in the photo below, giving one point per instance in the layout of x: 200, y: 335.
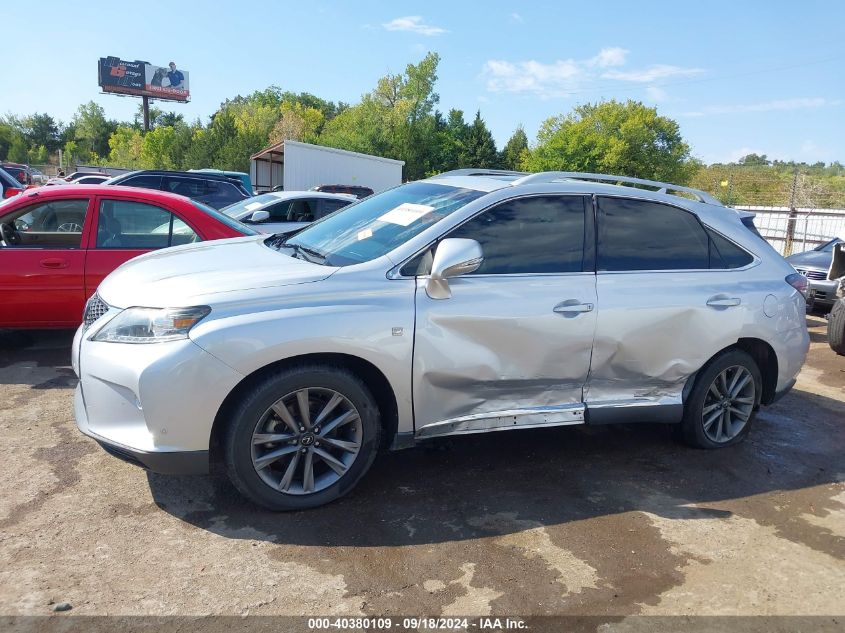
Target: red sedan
x: 58, y: 243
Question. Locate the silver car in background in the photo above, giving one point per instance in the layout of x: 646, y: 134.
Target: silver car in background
x: 814, y: 265
x: 286, y: 211
x: 470, y: 302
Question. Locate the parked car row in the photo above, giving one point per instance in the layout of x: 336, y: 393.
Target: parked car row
x: 58, y: 243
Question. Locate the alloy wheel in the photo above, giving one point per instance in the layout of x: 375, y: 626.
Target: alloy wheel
x: 306, y: 441
x: 728, y: 404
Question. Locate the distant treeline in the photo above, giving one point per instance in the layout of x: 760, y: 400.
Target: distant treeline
x: 399, y: 119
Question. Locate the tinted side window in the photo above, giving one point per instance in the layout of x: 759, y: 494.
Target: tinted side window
x: 544, y: 234
x: 220, y: 194
x: 189, y: 187
x: 726, y: 254
x: 143, y: 181
x: 278, y: 212
x: 330, y: 206
x: 56, y: 224
x: 642, y: 235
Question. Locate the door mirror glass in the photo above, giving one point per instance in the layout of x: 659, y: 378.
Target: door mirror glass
x: 259, y: 216
x: 454, y: 256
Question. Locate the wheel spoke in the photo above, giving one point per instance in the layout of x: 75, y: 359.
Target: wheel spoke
x: 714, y: 391
x: 273, y: 456
x: 744, y: 400
x: 335, y: 400
x: 737, y: 374
x: 281, y: 410
x: 735, y: 392
x: 340, y: 420
x: 743, y: 416
x: 334, y: 463
x: 711, y: 407
x: 266, y: 438
x: 723, y: 383
x: 727, y: 428
x: 287, y: 479
x: 308, y: 474
x: 713, y: 417
x: 304, y: 407
x: 349, y: 447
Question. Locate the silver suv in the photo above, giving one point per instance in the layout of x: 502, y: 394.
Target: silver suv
x: 470, y: 302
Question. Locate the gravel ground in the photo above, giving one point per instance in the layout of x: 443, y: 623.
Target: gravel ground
x: 602, y: 521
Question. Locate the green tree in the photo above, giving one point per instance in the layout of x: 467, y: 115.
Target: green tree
x: 18, y: 150
x: 125, y: 147
x: 511, y: 157
x: 37, y: 155
x: 479, y: 147
x: 42, y: 130
x: 92, y: 131
x: 611, y: 137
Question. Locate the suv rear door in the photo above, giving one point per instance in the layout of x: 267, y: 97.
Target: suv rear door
x: 512, y: 345
x: 671, y: 297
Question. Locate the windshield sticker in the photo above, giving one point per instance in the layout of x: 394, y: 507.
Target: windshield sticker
x: 406, y: 213
x: 362, y: 235
x: 252, y: 206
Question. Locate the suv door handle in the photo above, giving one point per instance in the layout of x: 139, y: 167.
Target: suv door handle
x: 573, y: 306
x: 723, y: 301
x: 54, y: 262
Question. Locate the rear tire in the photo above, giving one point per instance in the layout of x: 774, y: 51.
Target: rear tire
x: 722, y: 404
x: 836, y: 328
x: 302, y: 437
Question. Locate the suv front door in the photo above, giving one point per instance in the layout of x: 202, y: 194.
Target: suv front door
x: 41, y: 275
x: 511, y: 346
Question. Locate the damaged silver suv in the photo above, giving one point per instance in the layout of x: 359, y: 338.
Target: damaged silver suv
x: 470, y: 302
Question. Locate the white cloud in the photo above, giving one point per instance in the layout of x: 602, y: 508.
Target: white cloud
x: 656, y: 94
x: 567, y: 76
x: 613, y: 56
x: 515, y: 17
x: 796, y: 103
x: 653, y: 73
x: 531, y: 76
x: 414, y: 24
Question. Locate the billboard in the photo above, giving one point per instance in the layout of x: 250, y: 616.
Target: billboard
x: 143, y: 79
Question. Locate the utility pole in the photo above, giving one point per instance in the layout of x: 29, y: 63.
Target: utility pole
x: 146, y: 107
x: 793, y: 216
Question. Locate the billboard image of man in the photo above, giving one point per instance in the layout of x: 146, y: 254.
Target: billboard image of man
x: 175, y: 76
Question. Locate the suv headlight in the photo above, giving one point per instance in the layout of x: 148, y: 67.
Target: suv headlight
x: 151, y: 325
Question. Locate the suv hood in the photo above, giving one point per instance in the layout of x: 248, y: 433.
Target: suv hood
x: 195, y: 274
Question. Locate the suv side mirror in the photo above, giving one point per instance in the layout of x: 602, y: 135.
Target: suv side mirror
x: 259, y: 216
x: 454, y: 256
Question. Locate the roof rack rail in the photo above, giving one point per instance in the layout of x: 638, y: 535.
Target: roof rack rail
x: 480, y: 172
x: 662, y: 187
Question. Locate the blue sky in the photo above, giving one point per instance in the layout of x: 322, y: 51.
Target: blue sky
x: 767, y: 77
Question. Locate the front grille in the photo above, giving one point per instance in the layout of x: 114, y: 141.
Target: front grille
x: 812, y: 274
x: 94, y: 309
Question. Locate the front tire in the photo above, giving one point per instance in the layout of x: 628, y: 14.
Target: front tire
x: 723, y: 402
x: 302, y: 437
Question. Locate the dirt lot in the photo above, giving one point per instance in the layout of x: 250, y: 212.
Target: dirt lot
x: 600, y: 521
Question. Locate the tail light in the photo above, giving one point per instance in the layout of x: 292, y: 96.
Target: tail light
x: 11, y: 192
x: 799, y: 282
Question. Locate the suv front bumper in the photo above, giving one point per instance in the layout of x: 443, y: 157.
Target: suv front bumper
x: 151, y: 404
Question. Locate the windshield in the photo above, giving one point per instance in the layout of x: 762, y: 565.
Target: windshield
x: 224, y: 219
x: 249, y: 205
x: 375, y: 226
